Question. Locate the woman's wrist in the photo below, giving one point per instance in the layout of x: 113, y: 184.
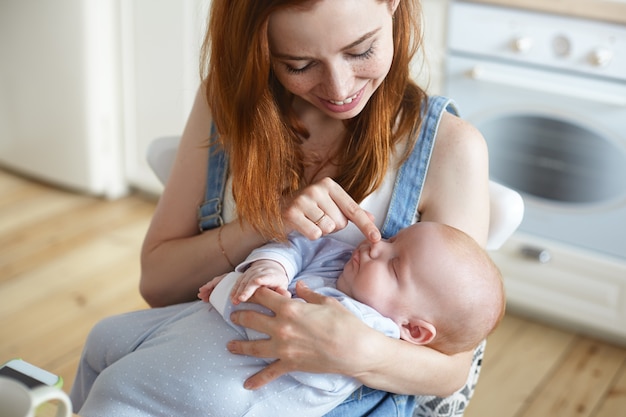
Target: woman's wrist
x: 236, y: 240
x: 401, y: 367
x: 221, y: 246
x: 367, y: 362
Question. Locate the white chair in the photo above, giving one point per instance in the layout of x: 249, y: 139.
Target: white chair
x: 506, y: 205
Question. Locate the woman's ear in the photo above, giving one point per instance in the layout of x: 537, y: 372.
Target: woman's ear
x: 418, y: 331
x: 393, y: 5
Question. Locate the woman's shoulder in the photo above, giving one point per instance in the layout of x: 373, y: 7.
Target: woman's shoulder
x: 456, y: 188
x: 458, y: 141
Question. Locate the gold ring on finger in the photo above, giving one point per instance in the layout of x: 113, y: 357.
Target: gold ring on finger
x: 318, y: 221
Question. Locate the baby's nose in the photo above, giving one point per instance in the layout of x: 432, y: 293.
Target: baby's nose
x: 375, y: 250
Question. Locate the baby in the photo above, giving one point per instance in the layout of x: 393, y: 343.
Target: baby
x: 436, y: 284
x: 430, y: 284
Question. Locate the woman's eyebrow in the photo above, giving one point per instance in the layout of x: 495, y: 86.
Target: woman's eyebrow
x: 345, y: 48
x: 361, y: 39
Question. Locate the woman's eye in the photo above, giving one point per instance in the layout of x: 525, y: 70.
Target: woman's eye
x: 294, y: 70
x: 291, y: 69
x: 364, y: 55
x: 299, y: 70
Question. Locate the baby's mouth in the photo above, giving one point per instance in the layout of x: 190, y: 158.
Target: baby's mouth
x: 356, y: 257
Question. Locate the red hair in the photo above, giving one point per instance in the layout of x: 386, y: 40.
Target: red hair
x: 257, y: 128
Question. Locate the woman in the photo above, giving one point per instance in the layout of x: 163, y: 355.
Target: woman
x: 312, y: 103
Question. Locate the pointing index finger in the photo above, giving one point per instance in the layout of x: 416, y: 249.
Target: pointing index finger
x: 362, y: 219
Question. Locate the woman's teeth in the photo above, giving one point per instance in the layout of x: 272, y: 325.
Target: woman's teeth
x: 346, y: 101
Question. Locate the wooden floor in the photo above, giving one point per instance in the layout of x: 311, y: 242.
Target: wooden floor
x: 67, y: 260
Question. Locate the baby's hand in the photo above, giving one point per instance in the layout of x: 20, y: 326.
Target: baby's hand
x: 261, y: 273
x: 205, y: 291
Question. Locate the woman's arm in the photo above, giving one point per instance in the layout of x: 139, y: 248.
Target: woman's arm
x: 176, y: 259
x: 320, y: 336
x: 456, y: 191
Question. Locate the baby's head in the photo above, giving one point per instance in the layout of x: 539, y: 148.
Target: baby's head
x: 434, y: 281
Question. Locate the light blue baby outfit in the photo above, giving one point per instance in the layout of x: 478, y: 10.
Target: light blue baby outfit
x: 156, y: 362
x: 318, y: 264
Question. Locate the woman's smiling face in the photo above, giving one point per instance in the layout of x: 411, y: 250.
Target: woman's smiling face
x: 334, y: 54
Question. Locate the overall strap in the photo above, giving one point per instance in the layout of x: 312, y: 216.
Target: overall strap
x: 210, y: 212
x: 407, y: 189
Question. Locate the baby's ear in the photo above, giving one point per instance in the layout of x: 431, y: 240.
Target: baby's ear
x: 418, y: 331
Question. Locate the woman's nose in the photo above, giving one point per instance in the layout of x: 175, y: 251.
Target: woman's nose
x: 338, y: 81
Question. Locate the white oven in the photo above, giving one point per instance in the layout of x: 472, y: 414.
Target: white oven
x: 549, y: 95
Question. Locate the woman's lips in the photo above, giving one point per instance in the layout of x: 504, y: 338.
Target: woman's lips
x: 345, y: 105
x: 346, y: 101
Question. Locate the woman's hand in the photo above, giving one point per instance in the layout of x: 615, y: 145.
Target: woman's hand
x: 324, y: 207
x: 321, y: 336
x: 308, y: 337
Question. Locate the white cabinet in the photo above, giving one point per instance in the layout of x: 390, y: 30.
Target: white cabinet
x: 60, y: 118
x: 86, y: 84
x: 572, y: 287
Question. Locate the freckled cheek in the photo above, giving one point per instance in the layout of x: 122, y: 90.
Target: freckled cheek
x: 297, y: 85
x: 373, y: 70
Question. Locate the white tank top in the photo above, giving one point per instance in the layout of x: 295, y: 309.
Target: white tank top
x: 376, y: 203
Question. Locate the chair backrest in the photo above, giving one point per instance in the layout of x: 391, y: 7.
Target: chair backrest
x: 160, y: 155
x: 506, y: 204
x: 506, y: 211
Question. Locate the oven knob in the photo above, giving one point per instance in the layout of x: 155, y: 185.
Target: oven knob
x: 522, y: 44
x: 601, y: 57
x: 562, y: 46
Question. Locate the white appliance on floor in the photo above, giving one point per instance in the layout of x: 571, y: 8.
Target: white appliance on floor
x: 60, y: 108
x: 86, y: 84
x: 549, y: 95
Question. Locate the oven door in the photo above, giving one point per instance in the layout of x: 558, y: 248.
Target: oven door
x: 556, y: 137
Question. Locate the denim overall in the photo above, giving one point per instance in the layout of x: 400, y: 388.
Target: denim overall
x: 402, y: 212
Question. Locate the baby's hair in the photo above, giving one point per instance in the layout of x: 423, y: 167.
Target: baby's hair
x: 482, y: 300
